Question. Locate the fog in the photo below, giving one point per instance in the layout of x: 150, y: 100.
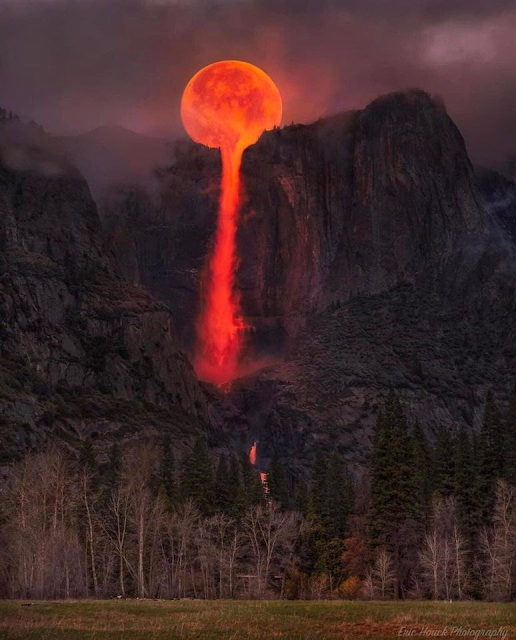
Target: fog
x: 79, y: 64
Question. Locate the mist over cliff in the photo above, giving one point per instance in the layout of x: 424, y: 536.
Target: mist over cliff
x: 371, y: 258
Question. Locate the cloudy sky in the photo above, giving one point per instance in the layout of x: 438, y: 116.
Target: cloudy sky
x: 76, y: 64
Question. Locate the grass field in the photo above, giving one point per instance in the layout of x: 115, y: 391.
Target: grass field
x: 257, y: 620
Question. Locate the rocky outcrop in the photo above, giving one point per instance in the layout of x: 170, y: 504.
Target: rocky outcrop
x: 83, y: 352
x: 369, y: 260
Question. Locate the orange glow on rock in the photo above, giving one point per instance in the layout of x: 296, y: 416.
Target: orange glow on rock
x: 226, y: 105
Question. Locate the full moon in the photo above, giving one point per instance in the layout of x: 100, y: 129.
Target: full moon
x: 229, y: 104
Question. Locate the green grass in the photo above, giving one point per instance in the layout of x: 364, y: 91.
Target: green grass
x: 247, y: 620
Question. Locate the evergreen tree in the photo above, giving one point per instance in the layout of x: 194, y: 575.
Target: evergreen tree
x: 256, y: 495
x: 313, y: 552
x: 510, y: 440
x: 423, y: 471
x: 222, y: 488
x: 393, y: 511
x: 247, y: 473
x: 300, y: 501
x: 329, y: 506
x: 318, y: 485
x: 338, y: 498
x: 234, y: 485
x: 329, y: 559
x: 277, y: 481
x: 251, y: 493
x: 494, y: 433
x: 197, y: 479
x: 466, y: 489
x: 111, y: 473
x: 490, y: 458
x: 87, y: 457
x: 443, y: 463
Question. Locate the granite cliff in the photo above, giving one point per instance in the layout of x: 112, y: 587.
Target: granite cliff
x: 371, y: 259
x: 83, y: 352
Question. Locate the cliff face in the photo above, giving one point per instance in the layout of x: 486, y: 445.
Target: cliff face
x: 370, y: 260
x: 348, y: 206
x: 353, y: 206
x: 82, y: 351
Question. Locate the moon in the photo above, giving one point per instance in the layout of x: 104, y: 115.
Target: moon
x: 229, y: 104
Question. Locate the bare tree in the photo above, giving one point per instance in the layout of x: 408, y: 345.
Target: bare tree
x: 443, y: 554
x: 43, y: 549
x: 177, y: 547
x: 115, y: 525
x: 383, y: 575
x: 271, y: 535
x: 138, y: 465
x: 87, y: 497
x: 498, y: 544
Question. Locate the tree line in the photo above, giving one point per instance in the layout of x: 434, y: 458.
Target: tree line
x: 427, y: 519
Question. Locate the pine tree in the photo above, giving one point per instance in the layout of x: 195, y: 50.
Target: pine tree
x: 338, y: 498
x: 251, y: 493
x: 328, y: 509
x: 87, y: 457
x: 393, y: 508
x: 313, y: 552
x: 277, y: 481
x: 197, y: 479
x: 317, y: 496
x: 300, y: 501
x: 466, y: 489
x: 234, y: 486
x: 247, y: 472
x: 490, y: 462
x: 111, y: 474
x: 423, y: 471
x: 222, y: 487
x: 443, y: 463
x: 494, y: 432
x: 510, y: 440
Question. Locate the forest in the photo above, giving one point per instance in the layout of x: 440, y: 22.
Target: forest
x: 427, y: 519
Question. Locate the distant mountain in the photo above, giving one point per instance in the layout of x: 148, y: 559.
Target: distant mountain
x: 114, y: 155
x: 108, y: 156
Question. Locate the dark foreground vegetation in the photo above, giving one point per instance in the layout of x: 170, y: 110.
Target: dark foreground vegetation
x: 426, y: 521
x: 245, y: 620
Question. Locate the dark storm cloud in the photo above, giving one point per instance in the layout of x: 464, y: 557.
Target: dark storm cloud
x: 77, y: 64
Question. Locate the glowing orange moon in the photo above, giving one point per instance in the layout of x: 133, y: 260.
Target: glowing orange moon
x: 230, y: 104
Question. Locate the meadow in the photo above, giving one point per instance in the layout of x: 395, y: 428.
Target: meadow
x: 253, y: 620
